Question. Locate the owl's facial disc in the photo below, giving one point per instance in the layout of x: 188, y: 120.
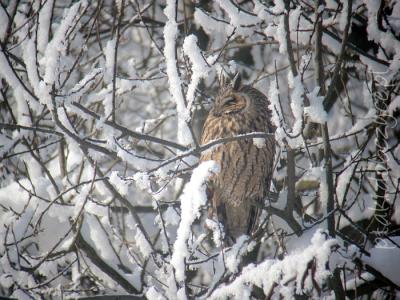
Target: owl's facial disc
x: 232, y: 104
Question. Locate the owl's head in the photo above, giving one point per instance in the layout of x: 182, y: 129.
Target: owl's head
x: 230, y: 100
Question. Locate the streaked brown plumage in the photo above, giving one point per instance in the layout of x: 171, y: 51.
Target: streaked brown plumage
x: 246, y: 170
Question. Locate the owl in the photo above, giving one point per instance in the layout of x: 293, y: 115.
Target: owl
x: 236, y: 193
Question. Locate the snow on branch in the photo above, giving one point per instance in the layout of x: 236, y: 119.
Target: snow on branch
x: 193, y: 198
x: 44, y: 24
x: 57, y: 47
x: 237, y: 16
x: 8, y: 73
x: 277, y: 114
x: 200, y: 68
x: 170, y: 35
x: 297, y: 105
x: 209, y: 24
x: 55, y: 50
x: 31, y: 64
x: 315, y: 111
x: 279, y: 274
x: 109, y: 53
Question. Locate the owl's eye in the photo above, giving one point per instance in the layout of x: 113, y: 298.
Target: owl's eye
x: 229, y: 101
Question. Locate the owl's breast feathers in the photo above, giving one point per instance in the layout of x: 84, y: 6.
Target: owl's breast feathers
x: 245, y: 173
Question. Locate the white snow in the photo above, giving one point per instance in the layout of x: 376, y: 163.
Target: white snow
x: 22, y: 111
x: 7, y: 73
x: 237, y: 17
x: 93, y: 232
x: 297, y: 105
x: 278, y: 32
x: 44, y: 25
x: 343, y: 15
x: 142, y: 243
x: 259, y: 142
x: 63, y: 117
x: 84, y: 85
x: 170, y: 35
x: 30, y: 63
x: 209, y: 24
x: 120, y: 185
x: 109, y: 52
x: 234, y: 256
x: 81, y: 200
x: 6, y: 280
x: 200, y: 69
x: 193, y: 198
x: 142, y: 180
x: 217, y: 229
x: 136, y: 161
x: 271, y: 271
x: 152, y: 293
x: 316, y: 111
x: 57, y: 47
x: 171, y: 217
x: 323, y: 188
x: 275, y: 107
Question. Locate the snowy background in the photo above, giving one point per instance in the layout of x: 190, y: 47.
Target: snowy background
x: 102, y: 105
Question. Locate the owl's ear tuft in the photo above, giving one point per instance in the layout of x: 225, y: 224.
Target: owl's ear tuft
x: 236, y: 81
x: 226, y: 80
x: 222, y: 79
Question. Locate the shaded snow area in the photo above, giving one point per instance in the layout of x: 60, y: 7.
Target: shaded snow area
x: 385, y: 258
